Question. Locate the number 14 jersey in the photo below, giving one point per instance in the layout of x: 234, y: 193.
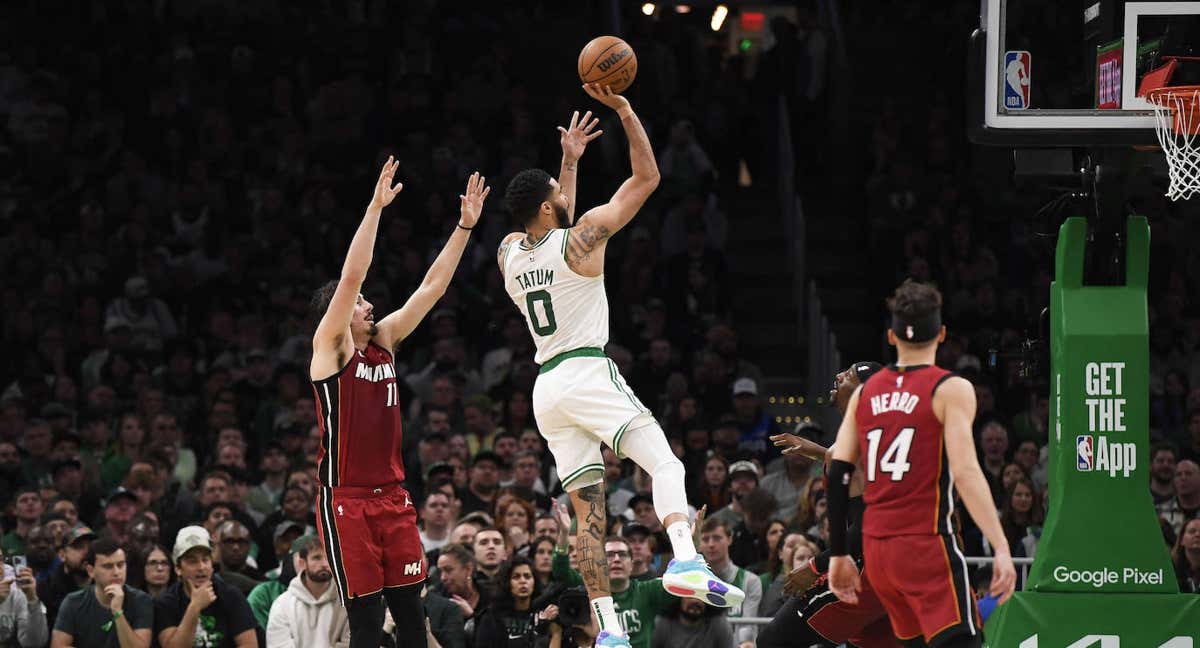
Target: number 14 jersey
x: 564, y: 310
x: 909, y: 489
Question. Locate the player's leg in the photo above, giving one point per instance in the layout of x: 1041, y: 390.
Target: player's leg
x: 590, y: 504
x: 365, y: 614
x: 885, y: 563
x: 942, y: 597
x: 408, y: 612
x: 788, y: 629
x: 687, y: 574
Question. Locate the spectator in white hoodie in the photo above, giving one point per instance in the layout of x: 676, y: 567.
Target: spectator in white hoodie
x: 309, y: 613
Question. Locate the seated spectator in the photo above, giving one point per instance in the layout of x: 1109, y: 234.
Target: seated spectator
x: 144, y: 532
x: 119, y: 508
x: 688, y: 623
x: 1186, y: 503
x: 39, y: 549
x: 749, y: 545
x: 445, y: 621
x: 545, y: 526
x: 491, y: 549
x: 541, y: 555
x: 514, y: 517
x: 435, y: 521
x: 24, y: 616
x: 646, y: 562
x: 711, y: 487
x: 309, y: 612
x: 263, y: 596
x: 1186, y: 557
x: 72, y: 573
x: 463, y: 585
x: 743, y: 478
x: 264, y: 498
x: 295, y: 512
x: 484, y: 482
x: 232, y: 553
x: 27, y: 507
x: 200, y: 609
x: 155, y: 573
x: 793, y: 552
x: 1163, y: 458
x: 108, y: 614
x: 526, y: 482
x: 715, y: 538
x: 510, y: 620
x: 148, y: 317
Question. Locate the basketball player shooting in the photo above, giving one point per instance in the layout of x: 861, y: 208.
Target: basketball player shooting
x: 914, y: 420
x: 366, y: 519
x: 554, y: 272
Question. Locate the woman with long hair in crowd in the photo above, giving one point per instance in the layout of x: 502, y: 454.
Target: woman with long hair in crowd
x: 806, y: 515
x: 511, y: 621
x: 1021, y: 517
x: 541, y: 554
x: 514, y: 517
x: 127, y: 447
x: 778, y: 567
x: 1186, y: 556
x: 152, y: 573
x: 712, y: 486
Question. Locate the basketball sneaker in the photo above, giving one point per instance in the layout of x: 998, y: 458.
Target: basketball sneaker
x: 693, y: 579
x: 608, y: 639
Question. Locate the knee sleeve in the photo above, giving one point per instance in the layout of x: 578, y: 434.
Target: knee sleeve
x: 408, y: 613
x: 365, y: 614
x: 647, y: 446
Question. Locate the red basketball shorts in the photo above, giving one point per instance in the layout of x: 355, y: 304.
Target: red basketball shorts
x: 922, y: 582
x: 370, y: 538
x: 864, y: 624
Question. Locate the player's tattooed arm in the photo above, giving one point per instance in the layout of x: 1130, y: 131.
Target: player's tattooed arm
x: 502, y: 251
x: 585, y: 238
x: 590, y: 504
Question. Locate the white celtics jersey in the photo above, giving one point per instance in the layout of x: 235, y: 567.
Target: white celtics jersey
x: 564, y: 310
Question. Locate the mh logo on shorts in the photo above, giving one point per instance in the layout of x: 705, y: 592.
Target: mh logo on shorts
x: 1083, y: 452
x: 412, y: 569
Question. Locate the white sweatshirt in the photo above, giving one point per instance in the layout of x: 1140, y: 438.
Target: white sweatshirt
x: 298, y: 620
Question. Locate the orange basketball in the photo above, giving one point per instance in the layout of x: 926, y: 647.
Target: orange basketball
x: 608, y: 60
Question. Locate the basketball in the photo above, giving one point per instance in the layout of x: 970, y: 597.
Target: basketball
x: 608, y: 60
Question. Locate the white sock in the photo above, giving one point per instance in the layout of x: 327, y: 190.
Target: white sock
x: 606, y: 614
x: 680, y: 534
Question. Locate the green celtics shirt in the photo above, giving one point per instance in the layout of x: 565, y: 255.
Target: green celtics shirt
x: 636, y: 607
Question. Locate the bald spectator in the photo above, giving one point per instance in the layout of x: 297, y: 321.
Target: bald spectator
x: 1186, y: 503
x: 232, y: 553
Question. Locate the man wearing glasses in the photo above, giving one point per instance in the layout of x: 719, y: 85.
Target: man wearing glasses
x: 233, y: 550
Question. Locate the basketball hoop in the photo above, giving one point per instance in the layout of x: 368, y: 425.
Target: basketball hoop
x: 1177, y: 123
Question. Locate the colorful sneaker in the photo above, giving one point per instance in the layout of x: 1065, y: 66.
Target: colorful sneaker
x: 693, y: 579
x: 608, y: 639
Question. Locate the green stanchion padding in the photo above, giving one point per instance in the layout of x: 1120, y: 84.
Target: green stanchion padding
x: 1037, y: 620
x: 1102, y: 568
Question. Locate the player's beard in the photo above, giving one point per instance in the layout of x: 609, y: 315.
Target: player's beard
x: 564, y: 220
x: 373, y: 330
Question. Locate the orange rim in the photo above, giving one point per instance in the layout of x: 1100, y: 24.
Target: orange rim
x: 1184, y: 104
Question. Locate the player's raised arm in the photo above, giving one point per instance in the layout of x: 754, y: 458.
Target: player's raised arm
x: 954, y: 404
x: 396, y: 326
x: 333, y: 332
x: 603, y: 221
x: 574, y: 139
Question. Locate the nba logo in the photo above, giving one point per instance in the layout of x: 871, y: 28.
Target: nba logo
x: 1016, y: 80
x: 1083, y: 452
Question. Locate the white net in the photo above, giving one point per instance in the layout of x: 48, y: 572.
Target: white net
x: 1177, y: 121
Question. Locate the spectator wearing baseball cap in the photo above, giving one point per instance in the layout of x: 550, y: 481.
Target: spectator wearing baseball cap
x: 744, y: 476
x: 647, y: 562
x: 483, y: 482
x: 755, y: 425
x: 200, y: 609
x: 71, y: 574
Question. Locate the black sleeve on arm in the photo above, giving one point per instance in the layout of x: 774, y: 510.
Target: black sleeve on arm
x: 837, y: 495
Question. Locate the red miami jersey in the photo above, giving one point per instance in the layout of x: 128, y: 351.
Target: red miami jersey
x: 358, y: 409
x: 909, y: 489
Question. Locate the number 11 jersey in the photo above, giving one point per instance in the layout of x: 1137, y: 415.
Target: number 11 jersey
x: 564, y: 309
x: 909, y: 489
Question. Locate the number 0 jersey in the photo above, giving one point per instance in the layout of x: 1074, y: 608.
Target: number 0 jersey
x: 564, y: 310
x: 909, y: 489
x: 358, y: 409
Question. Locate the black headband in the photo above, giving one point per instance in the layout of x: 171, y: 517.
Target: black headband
x: 922, y: 329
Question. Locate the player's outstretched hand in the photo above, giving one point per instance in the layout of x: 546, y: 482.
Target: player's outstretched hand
x: 574, y: 138
x: 1004, y: 577
x: 606, y: 96
x: 471, y: 203
x: 797, y: 445
x: 843, y: 579
x: 385, y: 192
